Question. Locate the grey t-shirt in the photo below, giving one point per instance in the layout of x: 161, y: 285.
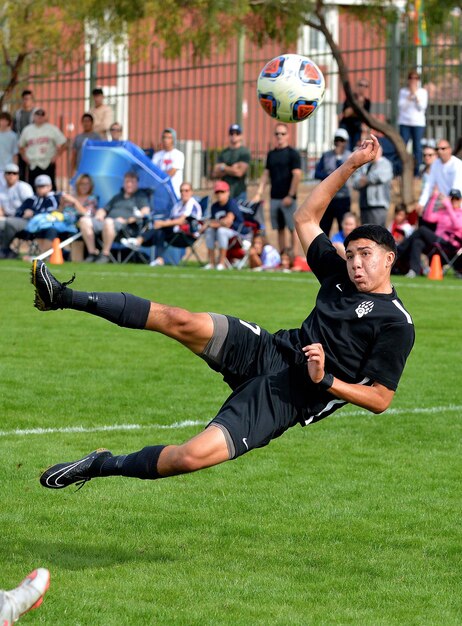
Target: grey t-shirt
x: 119, y: 206
x: 8, y: 147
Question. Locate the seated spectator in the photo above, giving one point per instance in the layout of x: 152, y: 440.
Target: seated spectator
x: 124, y: 209
x: 226, y: 221
x: 263, y: 256
x: 44, y: 215
x: 12, y: 196
x: 330, y: 161
x: 400, y: 227
x: 115, y: 132
x: 349, y: 223
x: 88, y: 132
x: 287, y: 260
x: 82, y: 203
x: 448, y: 221
x: 181, y: 215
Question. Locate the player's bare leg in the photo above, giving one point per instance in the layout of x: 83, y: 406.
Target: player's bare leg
x: 206, y: 449
x: 194, y: 330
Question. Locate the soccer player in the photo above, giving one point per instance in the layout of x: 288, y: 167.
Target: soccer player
x: 26, y: 596
x: 351, y: 348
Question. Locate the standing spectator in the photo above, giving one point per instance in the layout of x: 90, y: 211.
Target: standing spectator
x: 12, y: 196
x: 350, y: 121
x: 40, y: 145
x: 349, y: 223
x: 445, y: 174
x: 283, y: 171
x: 22, y: 118
x: 170, y: 160
x: 81, y: 138
x: 233, y: 163
x: 226, y: 221
x: 116, y: 131
x: 123, y: 209
x: 412, y: 104
x: 429, y: 157
x: 8, y: 141
x: 330, y: 160
x: 374, y: 184
x: 102, y: 113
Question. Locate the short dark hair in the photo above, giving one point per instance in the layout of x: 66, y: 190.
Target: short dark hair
x: 4, y: 115
x: 379, y: 234
x: 26, y: 92
x: 131, y: 174
x: 97, y: 91
x: 85, y: 115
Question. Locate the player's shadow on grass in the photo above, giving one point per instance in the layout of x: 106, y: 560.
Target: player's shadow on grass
x: 83, y: 554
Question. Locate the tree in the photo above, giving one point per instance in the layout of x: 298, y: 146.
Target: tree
x: 41, y: 38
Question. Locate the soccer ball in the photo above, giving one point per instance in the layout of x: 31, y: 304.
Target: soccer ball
x: 290, y: 88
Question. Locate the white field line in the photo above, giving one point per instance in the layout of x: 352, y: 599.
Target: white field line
x: 188, y: 423
x: 234, y: 275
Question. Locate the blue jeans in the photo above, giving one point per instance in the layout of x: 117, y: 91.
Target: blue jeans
x: 415, y: 133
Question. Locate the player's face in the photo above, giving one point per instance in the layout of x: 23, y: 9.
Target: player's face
x: 369, y: 266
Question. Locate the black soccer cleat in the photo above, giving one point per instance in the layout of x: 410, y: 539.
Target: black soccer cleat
x: 48, y: 290
x: 64, y: 474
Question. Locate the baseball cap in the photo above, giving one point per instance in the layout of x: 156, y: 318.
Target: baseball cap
x: 42, y: 180
x: 341, y: 133
x: 11, y: 168
x: 455, y: 193
x: 221, y: 185
x: 235, y: 128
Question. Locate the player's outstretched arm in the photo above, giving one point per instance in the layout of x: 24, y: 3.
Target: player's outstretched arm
x: 376, y: 397
x: 308, y: 215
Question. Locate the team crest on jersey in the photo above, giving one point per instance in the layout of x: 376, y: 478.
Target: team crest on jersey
x: 364, y: 308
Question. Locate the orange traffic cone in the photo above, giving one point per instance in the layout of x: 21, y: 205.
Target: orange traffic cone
x: 436, y: 270
x: 56, y: 257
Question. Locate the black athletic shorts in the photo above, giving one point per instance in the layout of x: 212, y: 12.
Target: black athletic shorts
x: 270, y: 394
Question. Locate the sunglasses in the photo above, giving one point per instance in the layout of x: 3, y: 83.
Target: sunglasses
x: 185, y: 190
x: 220, y: 191
x: 442, y: 148
x: 280, y: 134
x: 11, y: 173
x: 40, y: 113
x: 428, y: 154
x: 115, y: 130
x: 234, y: 132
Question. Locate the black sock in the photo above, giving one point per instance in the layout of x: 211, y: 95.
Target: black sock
x: 142, y: 464
x: 123, y: 309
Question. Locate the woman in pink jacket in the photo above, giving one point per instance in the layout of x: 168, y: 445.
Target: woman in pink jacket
x: 448, y: 220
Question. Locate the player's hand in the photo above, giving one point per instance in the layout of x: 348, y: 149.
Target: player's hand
x: 314, y: 353
x: 366, y: 152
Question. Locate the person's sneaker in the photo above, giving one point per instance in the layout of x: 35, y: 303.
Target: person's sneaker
x: 27, y: 595
x: 131, y: 243
x: 48, y: 290
x: 103, y: 258
x: 91, y: 258
x: 209, y: 266
x: 64, y: 474
x: 220, y: 267
x: 410, y: 274
x: 157, y: 262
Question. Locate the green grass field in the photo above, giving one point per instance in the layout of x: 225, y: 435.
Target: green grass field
x: 354, y: 520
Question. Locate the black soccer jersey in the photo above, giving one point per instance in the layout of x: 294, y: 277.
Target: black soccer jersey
x: 366, y: 337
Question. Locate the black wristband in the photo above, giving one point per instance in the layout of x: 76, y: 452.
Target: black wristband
x: 327, y: 382
x: 293, y: 196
